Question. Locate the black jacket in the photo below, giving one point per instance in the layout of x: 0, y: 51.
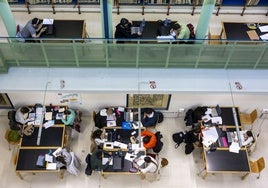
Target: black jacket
x: 122, y: 32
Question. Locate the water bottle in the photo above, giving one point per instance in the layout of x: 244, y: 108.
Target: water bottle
x: 166, y: 22
x: 143, y: 22
x: 129, y: 147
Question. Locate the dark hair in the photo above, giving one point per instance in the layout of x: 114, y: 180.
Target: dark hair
x: 249, y: 133
x: 124, y: 21
x: 24, y: 109
x: 176, y: 26
x: 67, y: 112
x: 148, y: 110
x: 35, y: 21
x: 146, y: 139
x: 61, y: 159
x: 97, y: 134
x: 147, y: 159
x: 164, y: 162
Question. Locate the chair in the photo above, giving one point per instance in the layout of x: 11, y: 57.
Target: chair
x: 214, y: 39
x: 9, y: 140
x: 248, y: 119
x: 257, y: 166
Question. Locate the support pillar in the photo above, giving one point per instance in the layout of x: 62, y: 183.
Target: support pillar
x: 204, y: 19
x: 106, y: 14
x: 7, y: 18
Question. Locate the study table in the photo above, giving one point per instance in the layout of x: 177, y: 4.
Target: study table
x: 119, y: 144
x: 51, y: 138
x: 238, y: 31
x: 66, y: 29
x: 220, y: 159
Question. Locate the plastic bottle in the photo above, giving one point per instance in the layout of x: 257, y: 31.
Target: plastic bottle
x: 166, y: 22
x: 129, y: 147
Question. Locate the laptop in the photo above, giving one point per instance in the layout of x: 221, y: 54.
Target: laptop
x: 135, y: 30
x: 118, y: 163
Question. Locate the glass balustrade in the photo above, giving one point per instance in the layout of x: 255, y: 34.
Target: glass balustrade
x: 106, y: 53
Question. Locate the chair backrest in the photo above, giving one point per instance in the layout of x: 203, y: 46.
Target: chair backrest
x: 257, y: 166
x: 253, y: 115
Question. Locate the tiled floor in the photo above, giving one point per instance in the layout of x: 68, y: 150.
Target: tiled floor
x: 182, y: 170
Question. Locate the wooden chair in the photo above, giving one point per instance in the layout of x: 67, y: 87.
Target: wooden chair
x: 214, y: 39
x: 9, y: 141
x: 248, y: 119
x: 257, y: 166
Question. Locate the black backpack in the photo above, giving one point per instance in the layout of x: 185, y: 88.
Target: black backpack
x: 160, y: 117
x: 159, y: 143
x: 12, y: 122
x: 178, y: 138
x: 88, y: 170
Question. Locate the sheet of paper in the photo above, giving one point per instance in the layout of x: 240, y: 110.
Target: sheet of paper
x: 61, y: 109
x: 234, y: 147
x: 111, y: 123
x: 206, y: 118
x: 47, y: 21
x: 130, y: 157
x: 263, y: 28
x: 57, y: 152
x: 51, y: 166
x: 210, y: 134
x: 49, y: 158
x: 48, y: 116
x: 49, y: 123
x: 264, y: 37
x: 217, y: 120
x: 105, y: 160
x: 120, y: 145
x: 121, y: 109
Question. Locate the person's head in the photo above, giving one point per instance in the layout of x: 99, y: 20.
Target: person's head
x: 110, y: 111
x: 67, y: 112
x: 61, y: 159
x: 97, y: 134
x: 164, y: 162
x: 24, y: 110
x: 146, y: 139
x: 147, y: 159
x: 249, y: 134
x: 176, y: 26
x: 124, y: 22
x: 35, y: 22
x: 148, y: 111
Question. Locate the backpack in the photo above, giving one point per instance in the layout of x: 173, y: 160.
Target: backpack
x: 191, y: 28
x: 189, y: 148
x: 159, y: 143
x: 12, y: 122
x: 160, y: 117
x: 178, y: 138
x: 88, y: 170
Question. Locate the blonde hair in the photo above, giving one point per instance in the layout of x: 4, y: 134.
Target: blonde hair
x: 164, y: 162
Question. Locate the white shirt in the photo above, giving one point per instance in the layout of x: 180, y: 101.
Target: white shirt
x: 99, y: 141
x: 151, y: 167
x: 20, y: 118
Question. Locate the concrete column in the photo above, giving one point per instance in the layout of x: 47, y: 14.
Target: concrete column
x: 204, y: 18
x: 7, y: 18
x: 106, y: 14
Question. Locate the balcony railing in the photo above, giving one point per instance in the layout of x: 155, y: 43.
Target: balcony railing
x: 106, y: 53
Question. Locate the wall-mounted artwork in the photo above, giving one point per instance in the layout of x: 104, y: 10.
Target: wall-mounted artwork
x: 156, y: 101
x: 5, y: 102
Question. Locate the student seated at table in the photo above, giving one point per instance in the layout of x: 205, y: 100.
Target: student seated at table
x: 247, y: 138
x: 33, y: 29
x: 96, y: 160
x: 98, y: 136
x: 68, y: 160
x: 180, y: 31
x: 149, y: 117
x: 22, y: 114
x: 151, y: 163
x: 123, y: 31
x: 149, y: 139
